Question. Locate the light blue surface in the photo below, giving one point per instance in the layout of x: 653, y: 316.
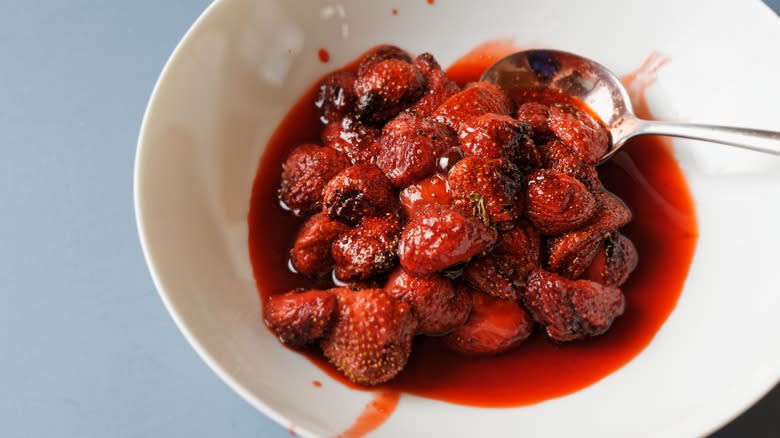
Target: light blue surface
x: 88, y: 349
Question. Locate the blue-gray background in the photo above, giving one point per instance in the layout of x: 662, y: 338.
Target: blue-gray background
x: 87, y: 348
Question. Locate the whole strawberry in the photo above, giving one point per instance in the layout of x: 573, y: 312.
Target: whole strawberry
x: 476, y: 99
x: 437, y: 304
x: 368, y: 249
x: 571, y: 309
x: 298, y: 318
x: 371, y: 336
x: 310, y: 254
x: 305, y: 173
x: 439, y: 237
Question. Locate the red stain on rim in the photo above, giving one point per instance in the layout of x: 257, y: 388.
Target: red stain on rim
x: 324, y: 55
x: 638, y: 81
x: 376, y: 412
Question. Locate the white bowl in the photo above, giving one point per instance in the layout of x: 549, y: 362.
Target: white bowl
x: 244, y: 62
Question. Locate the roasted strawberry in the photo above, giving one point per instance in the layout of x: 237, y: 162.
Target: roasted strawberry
x: 557, y: 156
x: 492, y: 184
x: 386, y: 88
x: 571, y: 309
x: 433, y: 190
x: 557, y: 202
x: 571, y: 253
x: 493, y: 326
x: 336, y: 97
x: 305, y: 173
x: 367, y: 250
x: 430, y: 68
x: 615, y: 260
x: 358, y: 141
x: 441, y: 236
x: 371, y: 336
x: 499, y: 136
x: 476, y: 99
x: 438, y: 306
x: 299, y: 318
x: 622, y: 259
x: 382, y: 53
x: 410, y: 146
x: 580, y: 131
x: 536, y: 115
x: 502, y: 272
x: 359, y: 191
x: 310, y: 255
x: 440, y: 88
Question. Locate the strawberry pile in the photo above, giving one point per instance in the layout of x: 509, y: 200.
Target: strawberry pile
x: 450, y: 212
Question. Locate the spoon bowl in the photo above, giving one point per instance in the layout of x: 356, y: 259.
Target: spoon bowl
x: 602, y: 91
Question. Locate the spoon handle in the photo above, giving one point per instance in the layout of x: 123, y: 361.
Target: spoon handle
x: 754, y: 139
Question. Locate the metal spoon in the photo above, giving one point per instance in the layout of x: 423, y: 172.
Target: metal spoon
x: 602, y: 91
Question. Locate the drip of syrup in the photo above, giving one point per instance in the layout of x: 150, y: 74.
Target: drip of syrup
x: 376, y: 412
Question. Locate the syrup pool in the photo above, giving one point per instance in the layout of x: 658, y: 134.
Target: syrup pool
x: 644, y: 174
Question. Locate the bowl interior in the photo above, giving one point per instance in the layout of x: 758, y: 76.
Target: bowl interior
x: 244, y: 63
